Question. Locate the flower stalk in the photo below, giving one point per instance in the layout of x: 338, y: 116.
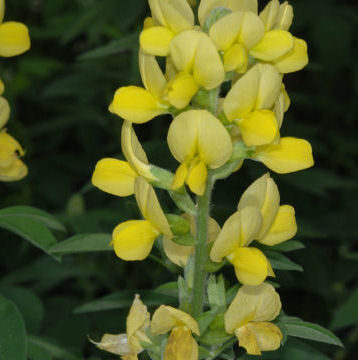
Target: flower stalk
x: 201, y: 247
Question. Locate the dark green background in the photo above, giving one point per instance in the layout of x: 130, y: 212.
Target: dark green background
x: 59, y: 93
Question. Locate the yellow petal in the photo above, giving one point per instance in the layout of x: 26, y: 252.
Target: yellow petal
x: 196, y: 178
x: 247, y: 340
x: 290, y: 155
x: 183, y: 49
x: 150, y: 208
x: 115, y: 177
x: 4, y: 112
x: 243, y: 5
x: 258, y: 128
x: 181, y: 345
x: 180, y: 176
x: 241, y: 99
x: 251, y: 223
x: 225, y: 31
x: 2, y: 10
x: 252, y: 30
x: 177, y: 14
x: 134, y: 239
x: 252, y: 303
x: 283, y: 228
x: 2, y: 87
x: 148, y: 23
x: 257, y: 337
x: 157, y: 12
x: 152, y: 77
x: 134, y: 153
x: 213, y: 140
x: 295, y: 60
x: 251, y: 266
x: 138, y: 320
x: 166, y: 318
x: 199, y: 132
x: 264, y: 195
x: 269, y: 88
x: 182, y: 135
x: 156, y: 40
x: 115, y: 344
x: 181, y: 90
x: 285, y: 16
x: 178, y: 254
x: 270, y: 13
x: 136, y: 105
x: 14, y: 172
x: 9, y: 147
x: 228, y: 239
x: 208, y: 69
x: 14, y: 39
x: 273, y: 45
x: 236, y: 58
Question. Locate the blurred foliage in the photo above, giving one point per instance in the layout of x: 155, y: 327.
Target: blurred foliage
x: 82, y: 50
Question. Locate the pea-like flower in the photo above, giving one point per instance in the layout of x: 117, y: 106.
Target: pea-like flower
x: 14, y: 36
x: 192, y: 52
x: 259, y: 217
x: 249, y: 104
x: 11, y: 167
x: 134, y: 239
x: 128, y: 345
x: 180, y: 344
x: 139, y: 105
x: 199, y: 142
x: 117, y: 177
x: 169, y: 18
x: 249, y: 316
x: 252, y: 104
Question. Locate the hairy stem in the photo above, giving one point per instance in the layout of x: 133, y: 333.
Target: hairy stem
x: 201, y: 247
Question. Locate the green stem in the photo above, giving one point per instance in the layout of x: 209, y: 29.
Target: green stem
x: 201, y: 249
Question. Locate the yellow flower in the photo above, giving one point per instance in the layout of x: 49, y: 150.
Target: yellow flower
x: 180, y: 344
x: 238, y: 232
x: 235, y: 35
x: 192, y: 52
x: 117, y: 177
x: 14, y: 36
x: 170, y: 17
x: 179, y: 254
x: 259, y: 217
x: 198, y: 141
x: 278, y: 46
x: 134, y: 239
x: 250, y: 102
x: 11, y: 167
x: 249, y: 317
x: 128, y: 345
x: 278, y: 222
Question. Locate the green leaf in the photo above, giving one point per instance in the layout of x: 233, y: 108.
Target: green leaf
x: 288, y: 246
x: 31, y: 230
x: 306, y: 330
x: 170, y: 288
x: 83, y: 243
x: 347, y: 314
x: 35, y: 214
x: 112, y: 48
x: 49, y: 347
x: 12, y: 332
x: 29, y: 305
x: 280, y: 262
x: 123, y: 299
